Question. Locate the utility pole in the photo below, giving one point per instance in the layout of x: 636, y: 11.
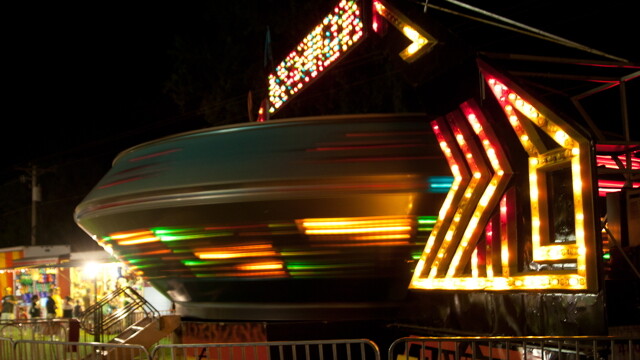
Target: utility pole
x: 36, y: 196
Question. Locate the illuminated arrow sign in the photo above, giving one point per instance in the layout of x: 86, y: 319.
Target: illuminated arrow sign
x: 453, y: 243
x: 421, y: 41
x: 499, y: 229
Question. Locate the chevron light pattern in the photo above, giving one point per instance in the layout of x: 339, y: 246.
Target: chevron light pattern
x: 421, y: 40
x: 478, y: 243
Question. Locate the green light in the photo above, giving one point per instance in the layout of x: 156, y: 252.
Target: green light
x: 141, y: 266
x: 199, y: 262
x: 427, y: 222
x: 206, y: 275
x: 137, y: 261
x: 427, y: 219
x: 169, y: 238
x: 164, y: 231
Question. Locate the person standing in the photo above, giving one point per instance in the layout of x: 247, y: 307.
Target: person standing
x: 77, y: 309
x: 35, y: 311
x: 86, y: 298
x: 58, y: 299
x: 8, y: 305
x: 51, y: 306
x: 67, y: 308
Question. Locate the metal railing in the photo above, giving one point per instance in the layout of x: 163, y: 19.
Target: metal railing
x: 59, y: 329
x: 57, y: 350
x: 102, y: 319
x: 515, y: 348
x: 35, y: 329
x: 358, y: 349
x: 410, y: 348
x: 6, y: 348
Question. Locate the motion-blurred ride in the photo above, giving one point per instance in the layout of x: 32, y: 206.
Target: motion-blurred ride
x: 308, y: 218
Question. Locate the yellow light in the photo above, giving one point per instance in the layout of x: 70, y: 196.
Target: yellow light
x: 129, y: 234
x: 142, y: 240
x: 501, y: 284
x: 91, y: 269
x: 241, y: 251
x: 231, y: 255
x: 474, y: 263
x: 382, y: 237
x: 560, y: 136
x: 353, y: 223
x: 413, y: 48
x: 419, y: 38
x: 414, y: 36
x: 364, y: 225
x: 358, y: 230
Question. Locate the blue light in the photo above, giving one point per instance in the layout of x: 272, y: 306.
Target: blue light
x: 440, y: 184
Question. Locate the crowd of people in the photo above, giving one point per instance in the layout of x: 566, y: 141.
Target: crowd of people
x: 50, y: 303
x: 39, y: 308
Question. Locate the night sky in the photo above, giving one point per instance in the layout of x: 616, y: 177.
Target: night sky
x: 84, y: 81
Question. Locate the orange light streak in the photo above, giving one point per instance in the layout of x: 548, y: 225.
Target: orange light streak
x: 272, y: 265
x: 129, y: 234
x: 142, y: 240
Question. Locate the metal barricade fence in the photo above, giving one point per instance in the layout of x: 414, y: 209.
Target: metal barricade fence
x: 52, y: 330
x: 515, y: 348
x: 408, y: 348
x: 57, y: 350
x: 358, y: 349
x: 6, y: 348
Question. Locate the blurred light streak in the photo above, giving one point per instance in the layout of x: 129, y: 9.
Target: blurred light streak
x: 271, y: 265
x: 149, y: 156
